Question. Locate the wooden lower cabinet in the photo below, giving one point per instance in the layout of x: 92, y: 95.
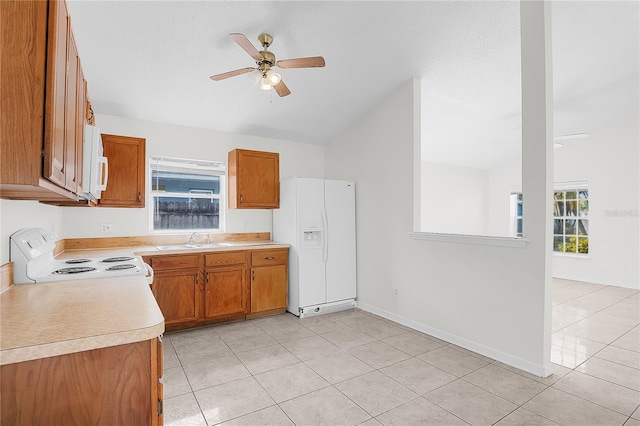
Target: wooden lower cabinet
x: 176, y: 287
x: 269, y: 281
x: 198, y: 289
x: 225, y: 287
x: 225, y: 291
x: 177, y: 294
x: 268, y: 288
x: 118, y: 385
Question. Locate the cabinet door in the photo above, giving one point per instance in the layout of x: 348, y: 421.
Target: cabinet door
x: 81, y: 105
x: 225, y: 291
x: 157, y: 397
x: 105, y: 386
x: 254, y: 179
x: 268, y: 288
x: 125, y: 187
x: 54, y: 136
x: 71, y: 115
x: 178, y: 295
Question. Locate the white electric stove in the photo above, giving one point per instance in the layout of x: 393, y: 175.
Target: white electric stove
x: 31, y: 251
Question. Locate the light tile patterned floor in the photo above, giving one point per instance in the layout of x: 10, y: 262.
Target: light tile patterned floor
x: 352, y: 368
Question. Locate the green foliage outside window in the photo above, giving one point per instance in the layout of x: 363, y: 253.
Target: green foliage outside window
x: 570, y: 245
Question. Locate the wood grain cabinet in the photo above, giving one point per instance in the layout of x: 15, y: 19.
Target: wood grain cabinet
x: 268, y: 281
x: 118, y: 385
x: 225, y: 286
x: 126, y: 184
x: 207, y: 288
x: 43, y: 99
x: 254, y: 179
x: 177, y: 287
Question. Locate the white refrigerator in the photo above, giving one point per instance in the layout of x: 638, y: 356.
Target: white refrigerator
x: 317, y: 217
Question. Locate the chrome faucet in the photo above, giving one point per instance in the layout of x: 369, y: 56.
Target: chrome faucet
x: 192, y: 238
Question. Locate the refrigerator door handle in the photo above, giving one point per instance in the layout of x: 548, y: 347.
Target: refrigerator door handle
x: 325, y: 236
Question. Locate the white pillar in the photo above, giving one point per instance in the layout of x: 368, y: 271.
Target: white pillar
x: 537, y: 152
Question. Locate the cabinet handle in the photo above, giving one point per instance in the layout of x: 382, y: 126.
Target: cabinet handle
x: 139, y: 197
x: 240, y: 198
x: 269, y: 258
x: 196, y: 278
x: 253, y: 275
x: 206, y: 280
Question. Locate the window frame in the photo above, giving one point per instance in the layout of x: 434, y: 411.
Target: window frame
x: 564, y: 187
x: 206, y: 167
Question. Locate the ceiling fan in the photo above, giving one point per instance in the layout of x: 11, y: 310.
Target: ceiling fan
x: 265, y: 60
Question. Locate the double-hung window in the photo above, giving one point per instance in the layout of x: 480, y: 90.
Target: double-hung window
x: 187, y: 195
x: 570, y: 216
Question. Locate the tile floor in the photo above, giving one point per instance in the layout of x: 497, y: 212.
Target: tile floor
x: 352, y: 368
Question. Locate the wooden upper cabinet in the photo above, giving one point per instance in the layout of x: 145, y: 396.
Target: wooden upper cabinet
x: 55, y: 141
x: 41, y: 77
x: 254, y: 179
x: 126, y: 184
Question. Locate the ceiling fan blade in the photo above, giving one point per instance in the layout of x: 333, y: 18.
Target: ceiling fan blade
x: 282, y: 89
x: 244, y: 42
x: 314, y: 61
x: 233, y: 73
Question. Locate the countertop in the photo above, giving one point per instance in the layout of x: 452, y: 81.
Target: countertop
x: 50, y: 319
x: 154, y: 250
x: 57, y: 318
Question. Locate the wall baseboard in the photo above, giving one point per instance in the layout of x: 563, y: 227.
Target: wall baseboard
x: 539, y: 370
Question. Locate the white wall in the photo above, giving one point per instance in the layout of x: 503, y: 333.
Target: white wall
x: 15, y: 215
x: 296, y: 159
x: 488, y: 299
x: 454, y: 199
x: 608, y: 160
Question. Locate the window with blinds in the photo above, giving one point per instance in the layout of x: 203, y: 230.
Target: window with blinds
x: 187, y: 194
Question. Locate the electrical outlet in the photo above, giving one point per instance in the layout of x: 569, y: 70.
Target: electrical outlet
x: 395, y: 292
x: 106, y: 228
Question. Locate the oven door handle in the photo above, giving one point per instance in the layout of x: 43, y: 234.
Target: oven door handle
x: 149, y: 275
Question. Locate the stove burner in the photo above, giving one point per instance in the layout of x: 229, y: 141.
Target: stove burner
x: 74, y: 270
x: 74, y: 261
x: 117, y: 259
x: 120, y: 267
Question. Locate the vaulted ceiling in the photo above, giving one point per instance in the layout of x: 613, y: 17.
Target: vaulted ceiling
x: 151, y: 60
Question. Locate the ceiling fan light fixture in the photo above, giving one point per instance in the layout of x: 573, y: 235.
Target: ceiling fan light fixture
x: 265, y: 84
x: 274, y: 77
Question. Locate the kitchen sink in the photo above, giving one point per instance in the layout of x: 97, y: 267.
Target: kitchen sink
x: 194, y: 246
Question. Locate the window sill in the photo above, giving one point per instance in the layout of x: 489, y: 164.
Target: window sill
x: 470, y: 239
x: 571, y: 255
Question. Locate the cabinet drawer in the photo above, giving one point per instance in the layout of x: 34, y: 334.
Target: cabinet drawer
x: 226, y: 258
x: 269, y: 257
x: 160, y: 263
